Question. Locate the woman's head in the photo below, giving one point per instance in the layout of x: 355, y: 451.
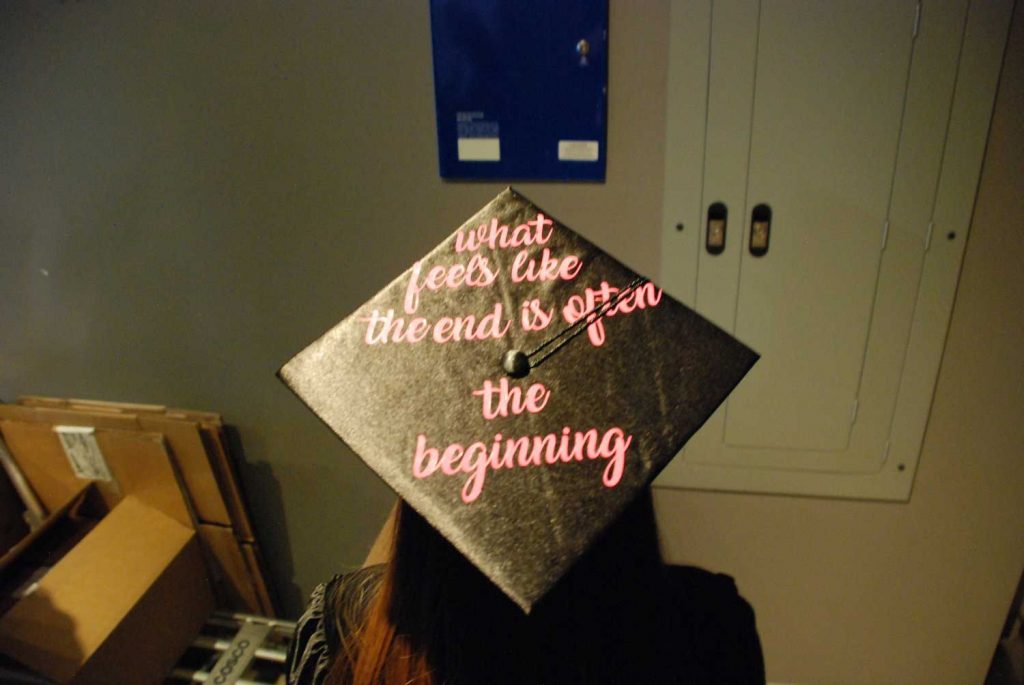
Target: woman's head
x: 438, y: 619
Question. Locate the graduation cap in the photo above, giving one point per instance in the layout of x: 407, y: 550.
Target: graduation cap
x: 518, y: 387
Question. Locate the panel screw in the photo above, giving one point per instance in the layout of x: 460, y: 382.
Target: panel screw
x: 951, y: 235
x: 679, y: 227
x: 583, y: 47
x: 901, y: 467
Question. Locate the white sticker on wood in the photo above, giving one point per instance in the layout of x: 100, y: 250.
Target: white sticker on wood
x: 83, y: 452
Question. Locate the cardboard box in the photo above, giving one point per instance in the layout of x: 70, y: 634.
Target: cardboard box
x: 187, y: 446
x: 12, y: 515
x: 124, y: 588
x: 215, y: 439
x: 58, y: 533
x: 183, y: 438
x: 121, y: 606
x: 196, y: 438
x: 254, y: 562
x: 139, y: 463
x: 232, y: 581
x: 198, y: 446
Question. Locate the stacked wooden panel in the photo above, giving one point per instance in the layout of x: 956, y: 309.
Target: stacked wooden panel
x: 196, y: 447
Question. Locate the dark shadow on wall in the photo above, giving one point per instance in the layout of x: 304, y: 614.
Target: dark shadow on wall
x: 259, y: 484
x: 1007, y: 666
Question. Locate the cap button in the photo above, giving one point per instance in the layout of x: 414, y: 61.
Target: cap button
x: 516, y: 364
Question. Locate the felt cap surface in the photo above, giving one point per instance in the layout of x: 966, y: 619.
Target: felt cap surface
x: 518, y: 387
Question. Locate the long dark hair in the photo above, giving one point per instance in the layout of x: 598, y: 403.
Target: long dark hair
x: 434, y: 619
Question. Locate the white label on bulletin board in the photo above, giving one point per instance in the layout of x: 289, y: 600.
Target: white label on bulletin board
x: 83, y: 452
x: 578, y: 150
x: 479, y: 149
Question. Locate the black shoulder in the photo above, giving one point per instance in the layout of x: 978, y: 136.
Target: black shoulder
x: 721, y: 624
x: 332, y: 605
x: 308, y: 657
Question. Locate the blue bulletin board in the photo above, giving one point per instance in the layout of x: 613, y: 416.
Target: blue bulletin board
x: 521, y: 88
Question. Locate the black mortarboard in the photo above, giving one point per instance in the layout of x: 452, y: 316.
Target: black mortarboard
x: 518, y: 387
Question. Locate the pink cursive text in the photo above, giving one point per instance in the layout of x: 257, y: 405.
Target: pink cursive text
x: 547, y: 268
x: 501, y: 400
x: 388, y: 328
x: 476, y: 459
x: 576, y: 307
x: 477, y: 273
x: 533, y: 232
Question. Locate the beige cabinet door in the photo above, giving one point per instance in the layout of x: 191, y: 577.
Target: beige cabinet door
x: 835, y: 119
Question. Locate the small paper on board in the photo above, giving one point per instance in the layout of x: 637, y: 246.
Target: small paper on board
x: 84, y: 454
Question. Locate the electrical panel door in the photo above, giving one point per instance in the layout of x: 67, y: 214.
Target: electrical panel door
x: 814, y: 209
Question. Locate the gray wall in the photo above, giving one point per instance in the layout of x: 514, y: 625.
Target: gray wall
x: 192, y: 192
x: 189, y: 193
